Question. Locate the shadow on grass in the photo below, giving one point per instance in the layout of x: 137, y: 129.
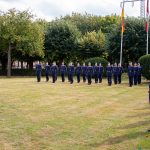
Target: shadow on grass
x: 134, y: 125
x: 119, y: 139
x: 139, y: 115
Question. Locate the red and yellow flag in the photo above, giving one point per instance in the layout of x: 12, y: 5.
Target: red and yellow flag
x: 122, y: 19
x: 147, y: 15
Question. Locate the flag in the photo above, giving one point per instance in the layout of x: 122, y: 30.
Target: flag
x: 122, y: 19
x: 147, y: 15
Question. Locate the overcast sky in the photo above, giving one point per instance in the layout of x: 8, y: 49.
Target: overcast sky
x: 50, y: 9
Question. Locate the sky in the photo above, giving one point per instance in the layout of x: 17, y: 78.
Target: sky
x: 50, y: 9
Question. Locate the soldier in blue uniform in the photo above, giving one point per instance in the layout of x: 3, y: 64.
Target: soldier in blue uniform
x: 120, y: 71
x: 70, y: 72
x: 78, y: 72
x: 109, y: 71
x: 130, y: 74
x: 135, y: 74
x: 89, y: 73
x: 38, y: 71
x: 47, y: 71
x: 115, y: 73
x: 139, y: 73
x: 63, y: 70
x: 54, y: 71
x: 100, y: 73
x: 96, y: 72
x: 84, y: 69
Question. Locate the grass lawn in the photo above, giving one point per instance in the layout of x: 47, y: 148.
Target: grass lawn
x: 46, y: 116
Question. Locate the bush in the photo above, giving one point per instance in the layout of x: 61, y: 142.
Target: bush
x: 93, y: 60
x: 145, y: 63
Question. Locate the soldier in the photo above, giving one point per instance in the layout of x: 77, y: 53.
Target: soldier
x: 139, y: 73
x: 54, y: 71
x: 78, y: 72
x: 135, y: 74
x: 115, y: 73
x: 89, y: 73
x: 63, y: 70
x: 130, y: 74
x: 120, y: 71
x: 70, y: 72
x: 96, y: 72
x: 100, y: 73
x: 84, y: 69
x: 109, y: 71
x: 38, y: 71
x: 47, y: 71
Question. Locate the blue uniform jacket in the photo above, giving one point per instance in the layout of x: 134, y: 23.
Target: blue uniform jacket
x: 54, y: 69
x: 109, y: 71
x: 84, y: 70
x: 96, y: 70
x: 78, y: 70
x: 89, y: 71
x: 120, y: 70
x: 71, y: 70
x: 47, y: 69
x: 139, y: 70
x: 63, y: 69
x: 101, y: 68
x: 115, y: 70
x: 130, y: 71
x: 135, y: 70
x: 38, y: 68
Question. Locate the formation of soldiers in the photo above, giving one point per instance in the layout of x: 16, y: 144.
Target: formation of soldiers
x: 114, y: 72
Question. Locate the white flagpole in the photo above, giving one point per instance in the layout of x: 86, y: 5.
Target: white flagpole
x: 121, y: 48
x: 147, y: 26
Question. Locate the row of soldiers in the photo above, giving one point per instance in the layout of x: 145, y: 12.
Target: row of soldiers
x: 87, y: 72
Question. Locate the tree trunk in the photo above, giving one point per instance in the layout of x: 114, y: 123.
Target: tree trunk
x: 21, y: 64
x: 30, y: 64
x: 9, y: 61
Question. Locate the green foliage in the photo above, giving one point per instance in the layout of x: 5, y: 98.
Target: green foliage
x: 98, y: 60
x: 145, y: 63
x: 92, y: 44
x: 134, y: 43
x: 88, y: 23
x: 61, y: 41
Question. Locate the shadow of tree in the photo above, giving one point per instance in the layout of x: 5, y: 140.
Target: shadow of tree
x: 119, y: 139
x: 134, y: 125
x: 139, y: 115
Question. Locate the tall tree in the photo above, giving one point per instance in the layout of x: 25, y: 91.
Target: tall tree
x: 61, y: 40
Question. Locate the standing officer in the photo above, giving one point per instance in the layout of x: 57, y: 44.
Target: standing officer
x: 120, y: 71
x: 100, y: 73
x: 78, y: 72
x: 135, y: 74
x: 96, y: 72
x: 109, y: 72
x: 54, y: 71
x: 38, y: 71
x: 63, y: 70
x: 70, y: 72
x: 139, y: 73
x: 47, y: 71
x: 130, y: 74
x: 84, y: 69
x: 89, y: 73
x: 115, y: 73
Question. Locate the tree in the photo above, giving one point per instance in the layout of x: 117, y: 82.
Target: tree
x: 92, y: 44
x: 61, y: 41
x: 20, y: 33
x: 134, y: 43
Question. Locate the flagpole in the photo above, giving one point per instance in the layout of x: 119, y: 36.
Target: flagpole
x: 147, y: 37
x: 147, y: 27
x: 121, y: 48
